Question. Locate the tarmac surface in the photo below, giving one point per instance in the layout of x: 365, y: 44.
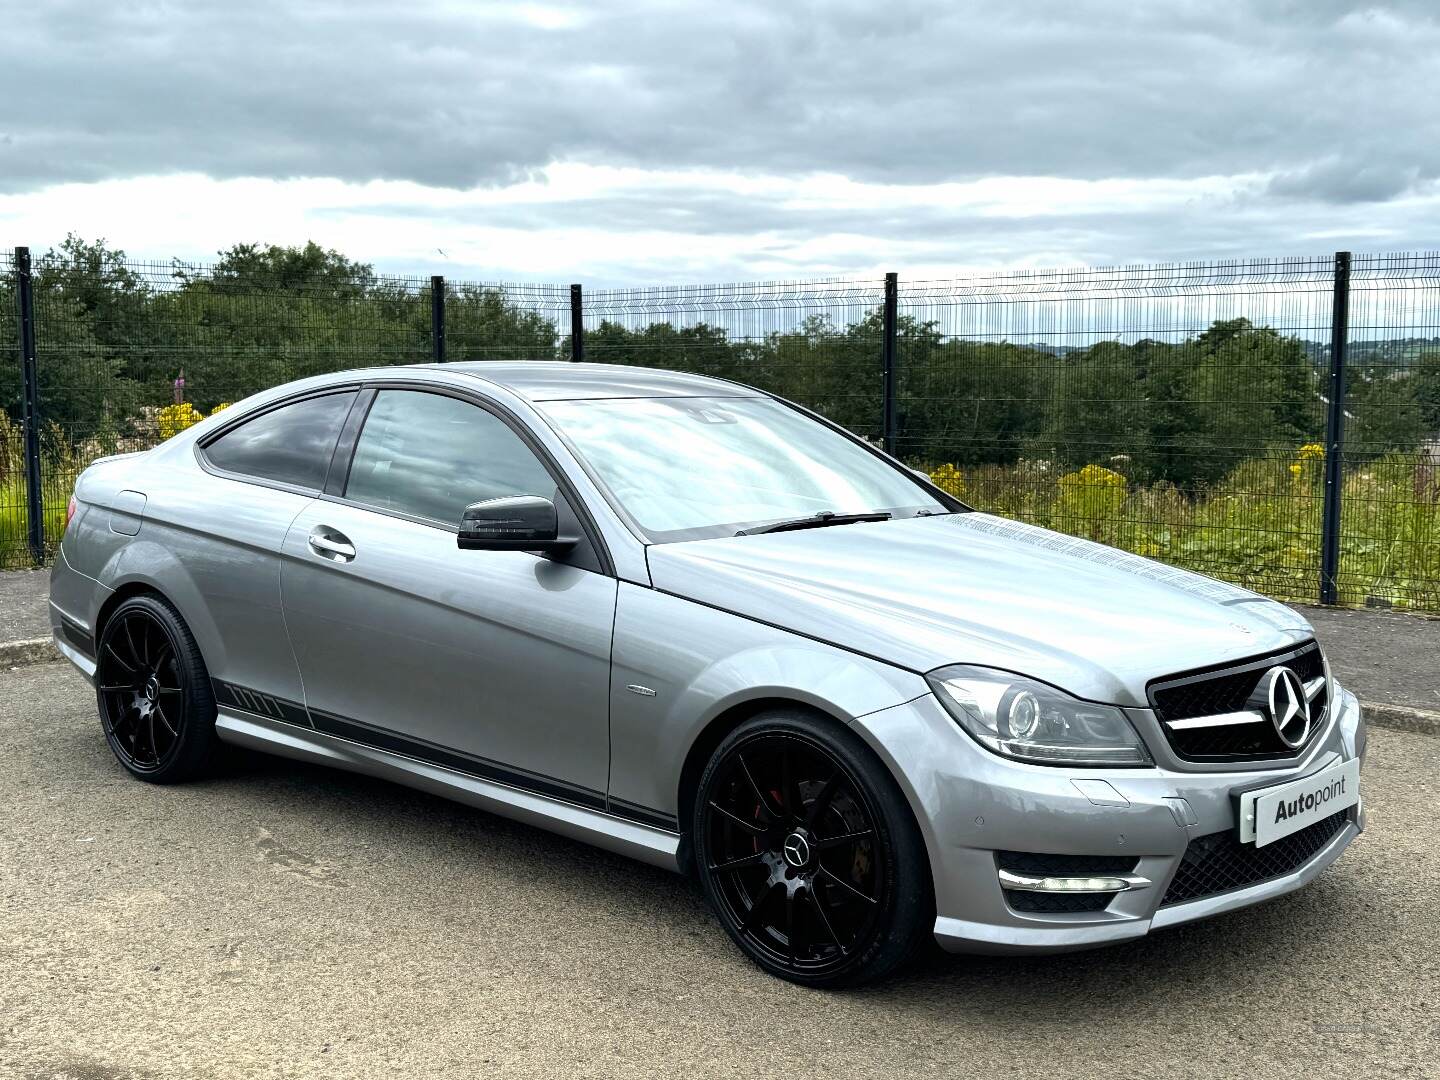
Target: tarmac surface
x: 24, y: 604
x: 282, y: 920
x: 1382, y: 656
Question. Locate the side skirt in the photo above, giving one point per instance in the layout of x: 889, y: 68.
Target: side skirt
x: 657, y: 847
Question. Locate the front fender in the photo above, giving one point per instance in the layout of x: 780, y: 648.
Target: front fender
x: 680, y: 667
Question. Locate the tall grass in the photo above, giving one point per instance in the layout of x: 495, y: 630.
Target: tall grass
x: 1259, y: 526
x: 15, y: 519
x: 60, y: 465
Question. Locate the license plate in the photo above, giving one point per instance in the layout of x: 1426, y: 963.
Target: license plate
x: 1271, y: 813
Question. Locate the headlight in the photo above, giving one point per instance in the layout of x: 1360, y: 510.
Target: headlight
x: 1029, y: 721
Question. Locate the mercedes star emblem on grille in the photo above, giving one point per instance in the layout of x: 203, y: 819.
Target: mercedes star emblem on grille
x: 1289, y: 708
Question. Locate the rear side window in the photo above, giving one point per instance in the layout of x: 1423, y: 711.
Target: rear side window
x: 431, y: 456
x: 291, y: 444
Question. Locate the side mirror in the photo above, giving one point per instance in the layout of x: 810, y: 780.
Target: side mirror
x: 513, y: 523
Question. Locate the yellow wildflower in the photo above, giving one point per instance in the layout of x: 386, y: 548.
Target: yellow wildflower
x: 949, y: 478
x: 1094, y: 495
x: 174, y: 419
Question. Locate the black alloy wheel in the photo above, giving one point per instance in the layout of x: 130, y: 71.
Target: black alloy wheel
x: 809, y: 854
x: 156, y: 705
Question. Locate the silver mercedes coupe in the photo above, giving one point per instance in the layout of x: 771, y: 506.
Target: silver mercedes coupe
x: 696, y: 624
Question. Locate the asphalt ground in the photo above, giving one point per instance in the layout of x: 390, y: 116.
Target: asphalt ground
x: 283, y: 920
x: 1382, y: 656
x: 24, y: 604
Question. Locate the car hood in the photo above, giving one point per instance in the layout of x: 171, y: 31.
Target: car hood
x: 978, y: 589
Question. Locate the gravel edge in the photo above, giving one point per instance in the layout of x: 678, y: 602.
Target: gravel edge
x: 40, y: 650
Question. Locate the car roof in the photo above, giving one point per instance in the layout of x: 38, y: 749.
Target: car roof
x: 560, y: 380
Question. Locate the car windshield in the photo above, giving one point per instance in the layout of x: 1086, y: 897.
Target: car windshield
x: 685, y: 468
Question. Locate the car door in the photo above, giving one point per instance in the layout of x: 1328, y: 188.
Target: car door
x: 226, y: 527
x: 495, y: 663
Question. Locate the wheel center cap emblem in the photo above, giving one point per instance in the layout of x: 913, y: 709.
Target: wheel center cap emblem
x: 1289, y: 708
x: 796, y: 849
x: 152, y: 688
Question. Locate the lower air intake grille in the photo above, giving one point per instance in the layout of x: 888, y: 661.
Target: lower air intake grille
x: 1220, y: 863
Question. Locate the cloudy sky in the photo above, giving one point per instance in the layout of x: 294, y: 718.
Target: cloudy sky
x: 633, y: 141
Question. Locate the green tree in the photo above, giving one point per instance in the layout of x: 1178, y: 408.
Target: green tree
x: 485, y: 324
x: 1093, y: 415
x: 310, y: 270
x: 834, y: 371
x: 87, y: 303
x: 971, y: 403
x: 1426, y: 380
x: 1382, y: 408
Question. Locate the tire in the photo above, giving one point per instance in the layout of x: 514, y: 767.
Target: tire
x: 157, y: 708
x: 809, y: 854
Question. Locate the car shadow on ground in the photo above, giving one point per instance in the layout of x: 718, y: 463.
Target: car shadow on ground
x: 1229, y: 956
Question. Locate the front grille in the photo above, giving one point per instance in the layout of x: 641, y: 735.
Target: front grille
x: 1040, y: 863
x: 1212, y: 691
x: 1220, y: 863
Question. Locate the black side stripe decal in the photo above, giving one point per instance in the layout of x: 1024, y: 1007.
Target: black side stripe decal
x: 656, y: 819
x: 252, y: 701
x: 271, y: 707
x: 481, y: 768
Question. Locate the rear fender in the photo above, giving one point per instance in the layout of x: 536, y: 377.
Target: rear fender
x: 147, y: 564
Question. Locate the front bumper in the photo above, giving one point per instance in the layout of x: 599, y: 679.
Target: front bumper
x: 971, y: 803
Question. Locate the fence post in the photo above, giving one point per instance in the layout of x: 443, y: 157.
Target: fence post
x: 30, y: 385
x: 887, y: 363
x: 1335, y: 433
x: 437, y: 318
x: 577, y: 325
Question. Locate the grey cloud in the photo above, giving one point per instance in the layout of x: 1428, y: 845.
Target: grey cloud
x: 770, y: 238
x: 1340, y: 100
x: 1341, y: 181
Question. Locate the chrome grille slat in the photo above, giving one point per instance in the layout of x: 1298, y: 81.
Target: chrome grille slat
x: 1218, y: 720
x: 1208, y: 715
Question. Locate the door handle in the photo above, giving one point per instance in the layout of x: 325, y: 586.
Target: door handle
x: 329, y: 544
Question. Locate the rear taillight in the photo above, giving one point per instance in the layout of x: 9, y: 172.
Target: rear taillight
x: 70, y: 511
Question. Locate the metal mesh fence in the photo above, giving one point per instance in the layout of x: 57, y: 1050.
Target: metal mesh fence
x: 1177, y: 411
x: 1390, y: 524
x: 815, y: 342
x: 1162, y: 409
x: 13, y: 516
x: 129, y: 353
x: 500, y: 321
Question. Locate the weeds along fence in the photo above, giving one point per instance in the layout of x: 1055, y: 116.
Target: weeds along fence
x: 1272, y: 422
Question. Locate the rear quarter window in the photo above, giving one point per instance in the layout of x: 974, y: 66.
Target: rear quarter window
x: 291, y: 444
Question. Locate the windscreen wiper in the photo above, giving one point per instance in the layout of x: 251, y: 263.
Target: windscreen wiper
x: 815, y: 521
